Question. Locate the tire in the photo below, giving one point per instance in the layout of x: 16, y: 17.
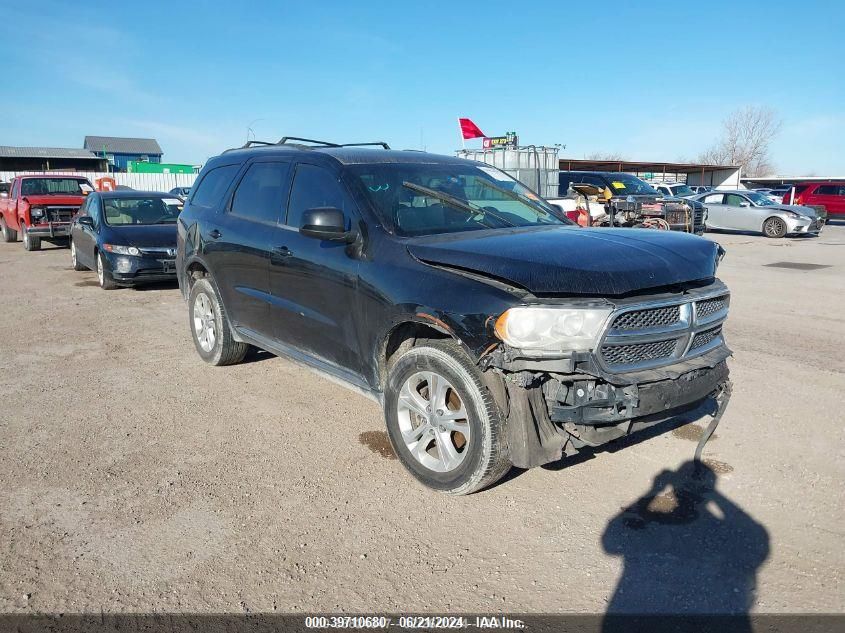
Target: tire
x: 30, y: 243
x: 774, y: 227
x: 73, y: 260
x: 474, y: 445
x: 103, y: 275
x: 210, y: 327
x: 9, y: 235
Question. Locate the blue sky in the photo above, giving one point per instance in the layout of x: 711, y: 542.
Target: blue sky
x: 651, y: 81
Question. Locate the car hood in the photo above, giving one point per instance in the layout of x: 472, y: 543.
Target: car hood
x: 797, y: 208
x: 55, y: 201
x: 143, y: 235
x: 575, y: 261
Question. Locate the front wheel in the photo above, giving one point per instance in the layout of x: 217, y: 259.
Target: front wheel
x: 73, y: 259
x: 774, y: 227
x: 210, y: 328
x: 442, y: 421
x: 30, y: 243
x: 104, y: 276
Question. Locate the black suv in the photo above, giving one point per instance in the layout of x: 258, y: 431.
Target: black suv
x: 631, y: 194
x: 492, y: 330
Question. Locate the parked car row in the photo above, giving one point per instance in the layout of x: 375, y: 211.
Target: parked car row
x: 492, y: 330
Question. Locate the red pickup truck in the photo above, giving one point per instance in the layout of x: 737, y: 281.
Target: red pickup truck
x: 41, y: 207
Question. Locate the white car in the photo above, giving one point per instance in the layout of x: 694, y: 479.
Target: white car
x: 673, y: 189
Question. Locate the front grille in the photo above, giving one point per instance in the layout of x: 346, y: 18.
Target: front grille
x: 645, y: 336
x: 60, y: 214
x: 647, y: 319
x: 708, y: 307
x: 705, y: 338
x: 635, y: 353
x: 698, y: 214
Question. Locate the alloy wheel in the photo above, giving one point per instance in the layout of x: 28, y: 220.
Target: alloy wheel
x: 205, y: 325
x: 433, y: 421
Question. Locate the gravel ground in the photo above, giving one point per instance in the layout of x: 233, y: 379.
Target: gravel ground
x: 136, y: 478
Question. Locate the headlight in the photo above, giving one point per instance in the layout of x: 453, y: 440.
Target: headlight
x: 793, y: 215
x: 36, y: 213
x: 552, y: 329
x: 117, y: 249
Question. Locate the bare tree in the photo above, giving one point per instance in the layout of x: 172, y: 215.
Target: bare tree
x: 747, y: 134
x: 604, y: 156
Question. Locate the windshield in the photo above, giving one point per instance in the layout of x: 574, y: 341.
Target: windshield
x: 759, y: 199
x: 681, y: 190
x: 424, y: 199
x: 135, y: 211
x: 55, y: 186
x: 628, y: 185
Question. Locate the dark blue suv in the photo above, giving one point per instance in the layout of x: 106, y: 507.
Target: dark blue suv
x: 492, y: 330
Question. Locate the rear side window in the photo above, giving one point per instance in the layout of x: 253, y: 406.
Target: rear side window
x: 213, y: 185
x: 713, y: 198
x: 261, y: 192
x: 827, y: 190
x: 313, y: 187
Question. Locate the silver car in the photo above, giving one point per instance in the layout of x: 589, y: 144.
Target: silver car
x: 744, y: 210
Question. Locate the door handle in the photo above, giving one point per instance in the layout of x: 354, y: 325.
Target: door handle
x: 282, y: 251
x: 215, y: 234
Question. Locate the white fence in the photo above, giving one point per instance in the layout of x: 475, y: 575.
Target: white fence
x: 141, y: 182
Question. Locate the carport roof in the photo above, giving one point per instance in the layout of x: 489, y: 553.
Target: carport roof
x: 9, y: 151
x: 584, y: 164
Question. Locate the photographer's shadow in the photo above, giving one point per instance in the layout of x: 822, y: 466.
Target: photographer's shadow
x: 687, y: 549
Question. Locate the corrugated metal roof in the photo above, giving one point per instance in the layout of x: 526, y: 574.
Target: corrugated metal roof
x: 121, y: 145
x: 8, y: 151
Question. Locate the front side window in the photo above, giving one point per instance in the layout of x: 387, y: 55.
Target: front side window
x: 140, y: 210
x: 260, y: 193
x: 313, y: 187
x: 54, y: 186
x: 213, y: 186
x: 425, y: 199
x: 734, y: 200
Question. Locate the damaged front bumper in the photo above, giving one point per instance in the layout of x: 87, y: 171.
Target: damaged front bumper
x: 551, y: 413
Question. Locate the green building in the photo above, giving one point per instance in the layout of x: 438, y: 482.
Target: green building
x: 143, y: 167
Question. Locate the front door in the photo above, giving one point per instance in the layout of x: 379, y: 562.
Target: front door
x: 313, y: 281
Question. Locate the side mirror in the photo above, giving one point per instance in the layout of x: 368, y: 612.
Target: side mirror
x: 745, y: 204
x: 85, y: 220
x: 325, y: 223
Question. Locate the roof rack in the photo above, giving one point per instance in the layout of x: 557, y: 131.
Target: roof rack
x: 296, y: 140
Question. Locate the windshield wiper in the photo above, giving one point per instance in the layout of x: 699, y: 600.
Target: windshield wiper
x: 455, y: 202
x: 511, y: 194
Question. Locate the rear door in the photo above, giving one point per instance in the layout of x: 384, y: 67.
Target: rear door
x: 314, y: 282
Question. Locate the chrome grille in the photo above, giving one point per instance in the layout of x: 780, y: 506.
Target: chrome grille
x: 647, y: 319
x: 705, y: 338
x: 644, y: 336
x: 708, y: 307
x: 637, y: 352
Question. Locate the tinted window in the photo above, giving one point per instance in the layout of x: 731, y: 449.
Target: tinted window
x: 827, y: 190
x: 213, y: 185
x: 260, y: 194
x: 313, y: 187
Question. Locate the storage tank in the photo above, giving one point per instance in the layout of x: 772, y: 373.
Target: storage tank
x: 535, y: 167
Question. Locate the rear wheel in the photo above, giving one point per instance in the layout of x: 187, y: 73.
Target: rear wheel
x: 9, y: 235
x: 73, y: 259
x: 442, y: 421
x: 30, y: 243
x: 103, y: 275
x: 210, y: 328
x: 774, y: 227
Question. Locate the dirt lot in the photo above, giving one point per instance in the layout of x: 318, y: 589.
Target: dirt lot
x: 136, y: 478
